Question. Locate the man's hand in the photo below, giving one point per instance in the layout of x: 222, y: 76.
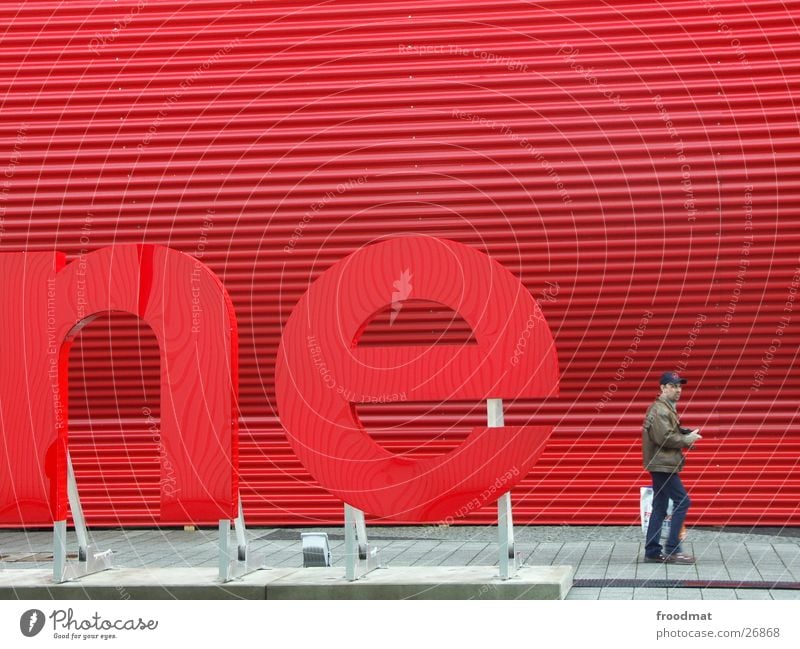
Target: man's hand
x: 692, y: 437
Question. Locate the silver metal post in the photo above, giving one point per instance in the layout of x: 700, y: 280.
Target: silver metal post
x: 350, y: 543
x: 360, y: 556
x: 507, y: 557
x: 77, y: 511
x: 505, y: 530
x: 224, y: 550
x: 494, y: 413
x: 241, y: 534
x: 90, y: 560
x: 59, y: 551
x: 237, y: 563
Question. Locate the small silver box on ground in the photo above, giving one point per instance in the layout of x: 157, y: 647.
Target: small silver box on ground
x: 316, y: 550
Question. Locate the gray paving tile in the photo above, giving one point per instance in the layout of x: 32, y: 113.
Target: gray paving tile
x: 623, y: 561
x: 284, y: 560
x: 598, y: 550
x: 526, y: 551
x: 682, y: 572
x: 650, y: 593
x: 628, y: 548
x: 594, y: 563
x: 584, y: 593
x: 684, y: 593
x: 716, y: 572
x: 790, y: 556
x: 618, y: 572
x: 785, y: 594
x: 544, y: 554
x: 489, y: 556
x: 719, y: 593
x: 738, y: 562
x: 748, y: 593
x: 710, y: 564
x: 387, y: 553
x: 571, y: 553
x: 617, y: 593
x: 590, y: 572
x: 767, y: 562
x: 396, y: 551
x: 439, y: 555
x: 651, y: 571
x: 416, y: 552
x: 464, y: 555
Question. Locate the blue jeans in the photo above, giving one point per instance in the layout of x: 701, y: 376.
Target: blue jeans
x: 666, y: 487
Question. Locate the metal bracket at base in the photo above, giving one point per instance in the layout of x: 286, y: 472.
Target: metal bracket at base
x: 90, y: 559
x: 239, y: 561
x: 360, y: 557
x: 508, y: 559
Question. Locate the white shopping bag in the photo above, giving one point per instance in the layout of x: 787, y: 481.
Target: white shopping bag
x: 646, y: 509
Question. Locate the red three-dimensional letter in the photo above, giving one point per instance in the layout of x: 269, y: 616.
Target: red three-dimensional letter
x: 321, y: 372
x: 29, y: 392
x: 192, y: 317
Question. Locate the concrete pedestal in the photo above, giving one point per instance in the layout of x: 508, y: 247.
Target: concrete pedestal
x: 430, y: 582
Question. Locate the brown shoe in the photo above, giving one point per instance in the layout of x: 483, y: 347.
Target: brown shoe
x: 659, y: 558
x: 680, y: 558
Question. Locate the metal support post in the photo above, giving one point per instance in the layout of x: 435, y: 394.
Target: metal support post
x: 508, y: 560
x: 233, y: 565
x: 361, y: 558
x: 60, y: 551
x: 90, y: 560
x: 225, y: 558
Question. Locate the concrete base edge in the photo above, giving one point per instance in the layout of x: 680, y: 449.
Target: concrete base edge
x: 432, y: 582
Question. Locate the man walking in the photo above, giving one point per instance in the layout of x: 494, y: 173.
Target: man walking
x: 663, y: 441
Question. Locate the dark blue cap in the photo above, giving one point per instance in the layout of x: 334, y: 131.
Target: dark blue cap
x: 672, y: 377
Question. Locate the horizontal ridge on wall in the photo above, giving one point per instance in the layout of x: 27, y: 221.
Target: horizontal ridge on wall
x: 634, y: 165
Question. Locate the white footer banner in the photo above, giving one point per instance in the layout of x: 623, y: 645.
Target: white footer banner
x: 406, y: 624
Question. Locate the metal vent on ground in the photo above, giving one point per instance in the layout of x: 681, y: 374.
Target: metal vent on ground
x: 316, y: 550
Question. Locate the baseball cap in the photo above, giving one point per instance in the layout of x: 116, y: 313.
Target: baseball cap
x: 671, y: 377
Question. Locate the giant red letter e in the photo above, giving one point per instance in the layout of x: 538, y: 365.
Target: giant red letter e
x: 321, y: 373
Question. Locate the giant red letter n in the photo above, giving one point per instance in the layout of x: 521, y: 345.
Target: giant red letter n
x: 46, y: 303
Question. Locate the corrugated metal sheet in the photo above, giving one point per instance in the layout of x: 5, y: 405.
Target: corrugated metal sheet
x: 634, y: 163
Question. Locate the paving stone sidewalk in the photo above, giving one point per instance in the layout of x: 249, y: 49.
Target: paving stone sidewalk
x: 731, y: 564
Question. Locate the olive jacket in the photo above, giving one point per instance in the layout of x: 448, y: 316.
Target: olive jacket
x: 663, y: 439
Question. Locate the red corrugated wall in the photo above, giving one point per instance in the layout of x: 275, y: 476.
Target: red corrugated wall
x: 635, y: 164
